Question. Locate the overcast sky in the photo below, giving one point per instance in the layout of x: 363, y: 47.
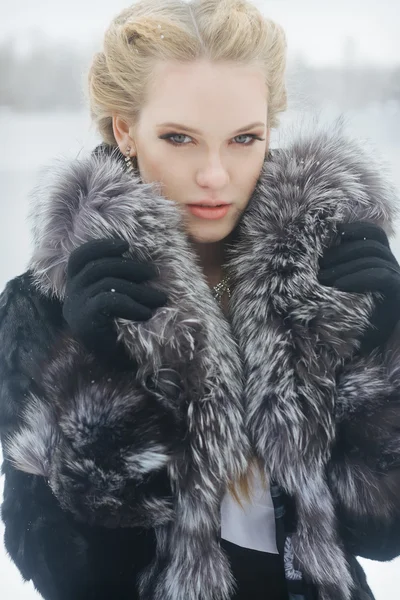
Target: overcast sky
x: 314, y: 27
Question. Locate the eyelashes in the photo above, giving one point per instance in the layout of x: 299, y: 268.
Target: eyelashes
x: 168, y: 137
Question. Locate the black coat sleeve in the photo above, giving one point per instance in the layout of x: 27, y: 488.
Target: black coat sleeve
x: 364, y: 471
x: 67, y: 559
x: 74, y: 531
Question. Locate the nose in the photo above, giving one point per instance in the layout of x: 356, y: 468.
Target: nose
x: 213, y: 174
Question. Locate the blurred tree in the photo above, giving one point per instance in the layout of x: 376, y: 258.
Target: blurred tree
x: 48, y: 75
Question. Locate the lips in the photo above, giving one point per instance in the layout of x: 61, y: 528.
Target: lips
x: 209, y: 212
x: 210, y: 203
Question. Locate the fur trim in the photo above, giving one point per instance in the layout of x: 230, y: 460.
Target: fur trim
x: 295, y: 333
x: 277, y: 381
x: 188, y: 342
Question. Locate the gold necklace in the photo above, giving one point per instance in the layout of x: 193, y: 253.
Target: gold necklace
x: 223, y: 286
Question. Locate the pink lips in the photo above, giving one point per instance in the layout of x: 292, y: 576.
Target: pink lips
x: 211, y: 203
x: 209, y: 212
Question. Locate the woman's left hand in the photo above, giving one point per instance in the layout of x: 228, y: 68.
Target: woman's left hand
x: 363, y: 262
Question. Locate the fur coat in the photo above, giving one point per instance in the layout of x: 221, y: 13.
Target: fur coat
x: 156, y: 446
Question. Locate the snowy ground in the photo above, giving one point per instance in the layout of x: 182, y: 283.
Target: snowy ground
x: 32, y: 141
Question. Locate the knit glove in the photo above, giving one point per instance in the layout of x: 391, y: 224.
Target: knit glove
x: 363, y: 262
x: 101, y: 285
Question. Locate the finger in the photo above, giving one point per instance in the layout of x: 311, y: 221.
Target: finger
x: 146, y: 295
x: 92, y: 250
x: 362, y: 229
x: 370, y: 280
x: 354, y: 250
x: 119, y: 306
x: 119, y: 267
x: 355, y: 266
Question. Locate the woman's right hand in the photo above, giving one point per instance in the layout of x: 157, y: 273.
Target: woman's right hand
x: 101, y: 285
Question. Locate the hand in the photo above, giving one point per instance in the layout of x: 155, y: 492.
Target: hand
x: 363, y: 262
x: 102, y: 285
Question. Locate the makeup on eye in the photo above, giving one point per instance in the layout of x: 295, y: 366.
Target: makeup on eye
x: 169, y: 136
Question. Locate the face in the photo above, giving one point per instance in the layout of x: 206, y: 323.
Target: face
x: 213, y: 152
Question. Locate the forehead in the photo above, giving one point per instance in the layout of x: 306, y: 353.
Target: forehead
x: 199, y: 89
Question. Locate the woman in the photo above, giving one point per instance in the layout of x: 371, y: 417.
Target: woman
x: 202, y: 402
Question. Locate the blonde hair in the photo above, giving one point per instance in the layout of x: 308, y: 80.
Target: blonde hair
x: 120, y: 76
x: 149, y: 31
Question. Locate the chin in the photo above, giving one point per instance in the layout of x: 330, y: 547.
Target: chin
x: 210, y: 235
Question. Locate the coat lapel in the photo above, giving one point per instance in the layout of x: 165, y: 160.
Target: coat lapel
x: 294, y: 334
x: 186, y: 353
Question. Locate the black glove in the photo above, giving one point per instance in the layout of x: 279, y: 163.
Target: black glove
x: 90, y: 306
x: 363, y: 262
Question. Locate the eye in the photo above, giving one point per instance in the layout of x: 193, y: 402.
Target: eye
x: 169, y: 137
x: 252, y: 137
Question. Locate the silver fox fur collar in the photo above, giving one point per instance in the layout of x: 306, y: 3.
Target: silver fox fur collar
x: 266, y: 380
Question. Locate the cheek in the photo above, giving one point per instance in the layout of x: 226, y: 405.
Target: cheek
x: 173, y: 183
x: 247, y: 177
x: 153, y: 168
x: 254, y: 172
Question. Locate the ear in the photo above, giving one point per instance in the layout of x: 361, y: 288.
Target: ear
x: 121, y: 129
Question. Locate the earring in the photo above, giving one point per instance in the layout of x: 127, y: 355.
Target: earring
x: 128, y: 160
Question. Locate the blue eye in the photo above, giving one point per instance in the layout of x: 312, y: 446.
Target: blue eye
x: 169, y: 137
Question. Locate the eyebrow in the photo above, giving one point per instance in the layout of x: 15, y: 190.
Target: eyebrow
x: 192, y: 130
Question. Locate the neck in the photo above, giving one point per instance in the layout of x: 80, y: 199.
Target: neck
x: 211, y: 260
